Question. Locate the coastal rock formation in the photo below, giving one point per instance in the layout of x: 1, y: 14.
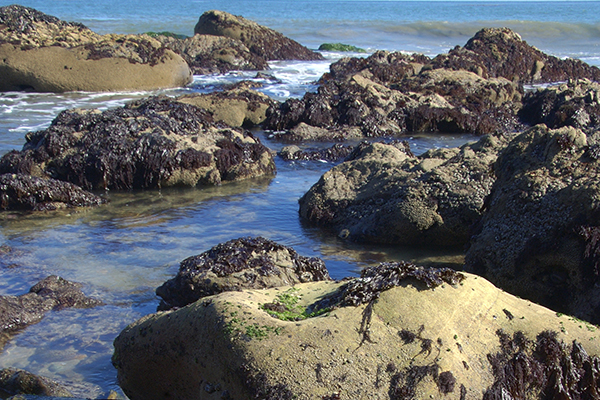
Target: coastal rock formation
x: 51, y: 293
x: 242, y: 263
x: 538, y: 237
x: 575, y: 103
x: 384, y: 194
x: 149, y: 143
x: 260, y: 40
x: 208, y: 54
x: 334, y: 153
x: 41, y: 53
x: 500, y: 52
x: 17, y: 381
x: 26, y: 192
x: 398, y: 331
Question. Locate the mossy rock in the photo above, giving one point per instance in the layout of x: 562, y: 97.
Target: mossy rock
x: 341, y: 47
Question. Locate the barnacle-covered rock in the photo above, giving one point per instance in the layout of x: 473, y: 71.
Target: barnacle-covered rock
x: 249, y: 262
x: 149, y: 143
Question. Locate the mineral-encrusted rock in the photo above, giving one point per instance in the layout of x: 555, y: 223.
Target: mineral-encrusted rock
x: 261, y: 40
x: 249, y: 262
x: 51, y: 293
x: 42, y: 53
x: 455, y: 340
x: 26, y: 192
x: 17, y: 381
x: 149, y: 143
x: 384, y: 194
x: 500, y: 52
x: 539, y: 234
x: 575, y: 103
x: 236, y: 107
x: 209, y: 54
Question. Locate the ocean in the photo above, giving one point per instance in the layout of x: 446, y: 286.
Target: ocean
x: 122, y: 251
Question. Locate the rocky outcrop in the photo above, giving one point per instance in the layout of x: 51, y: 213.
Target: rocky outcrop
x: 29, y: 193
x: 51, y: 293
x: 262, y: 41
x: 384, y: 194
x: 41, y: 53
x: 500, y: 52
x: 239, y: 264
x: 208, y: 54
x: 336, y: 152
x: 538, y: 237
x: 575, y: 103
x: 405, y: 332
x: 16, y: 381
x: 149, y: 143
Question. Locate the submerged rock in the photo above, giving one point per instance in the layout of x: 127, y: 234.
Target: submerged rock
x: 538, y: 237
x: 42, y: 53
x: 261, y: 40
x: 407, y: 341
x: 149, y: 143
x: 26, y: 192
x: 384, y: 194
x: 17, y: 381
x: 51, y: 293
x: 239, y: 264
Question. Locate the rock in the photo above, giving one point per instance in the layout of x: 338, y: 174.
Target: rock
x: 538, y: 236
x: 42, y: 53
x: 148, y: 143
x: 575, y: 103
x: 262, y: 41
x: 242, y: 263
x: 334, y: 153
x: 235, y: 107
x: 51, y: 293
x: 454, y: 340
x: 341, y: 47
x: 208, y: 54
x: 500, y: 52
x: 26, y: 192
x: 16, y: 381
x: 384, y: 194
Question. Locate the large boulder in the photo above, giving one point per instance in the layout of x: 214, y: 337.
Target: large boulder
x: 41, y: 53
x: 384, y: 194
x: 51, y: 293
x: 208, y: 54
x: 149, y: 143
x: 17, y: 381
x: 250, y: 262
x: 500, y: 52
x: 261, y: 40
x: 30, y: 193
x: 397, y: 332
x: 538, y: 237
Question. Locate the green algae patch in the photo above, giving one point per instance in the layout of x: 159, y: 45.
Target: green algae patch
x: 341, y: 47
x: 288, y: 306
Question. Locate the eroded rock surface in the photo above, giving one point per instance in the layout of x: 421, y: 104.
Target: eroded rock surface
x: 384, y: 194
x: 29, y: 193
x: 538, y: 236
x: 149, y: 143
x: 239, y: 264
x: 42, y: 53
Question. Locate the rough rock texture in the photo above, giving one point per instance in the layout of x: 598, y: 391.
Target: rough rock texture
x: 149, y: 143
x: 538, y: 237
x: 384, y: 194
x: 500, y: 52
x: 208, y: 54
x: 51, y: 293
x: 239, y: 264
x: 575, y: 103
x: 26, y: 192
x: 41, y: 53
x: 236, y: 107
x: 261, y: 40
x: 410, y: 342
x: 16, y: 381
x: 392, y: 93
x: 334, y: 153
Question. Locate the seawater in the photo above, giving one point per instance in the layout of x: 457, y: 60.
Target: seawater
x: 122, y: 251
